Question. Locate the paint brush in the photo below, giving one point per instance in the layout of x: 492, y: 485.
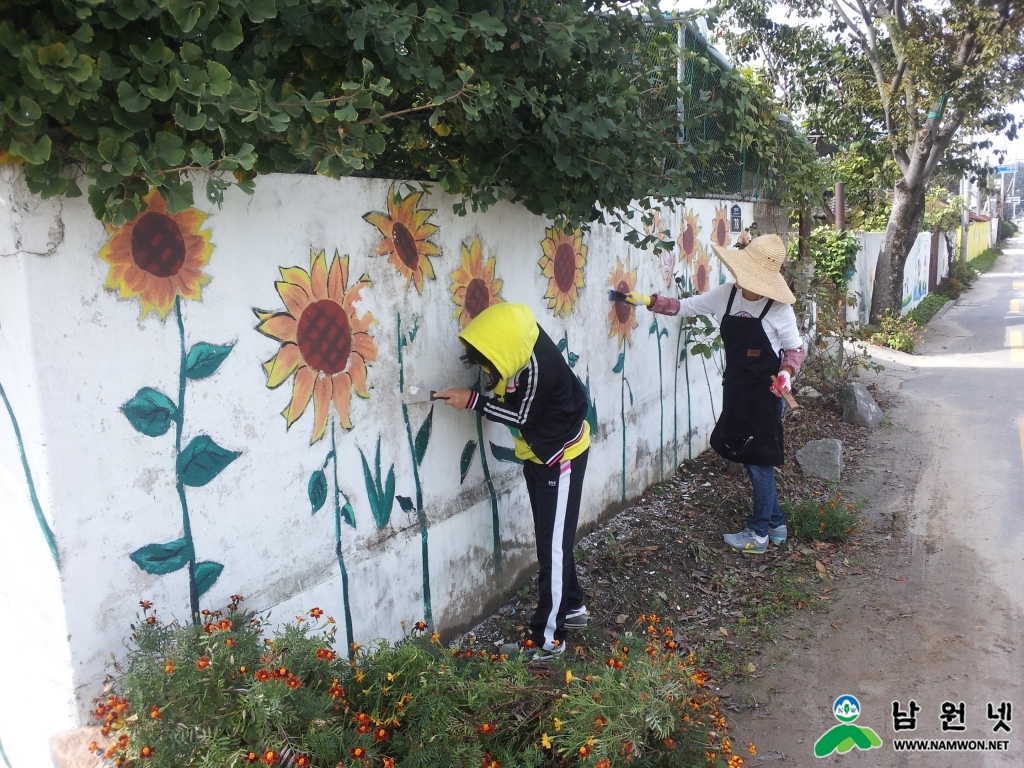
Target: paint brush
x: 614, y: 295
x: 417, y: 393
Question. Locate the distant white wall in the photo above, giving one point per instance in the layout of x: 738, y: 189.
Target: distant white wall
x: 915, y: 273
x: 73, y: 354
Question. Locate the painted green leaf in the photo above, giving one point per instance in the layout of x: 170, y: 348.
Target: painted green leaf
x: 423, y: 437
x: 387, y: 500
x: 371, y: 487
x: 150, y: 412
x: 573, y: 359
x: 317, y: 490
x: 160, y: 559
x: 202, y: 460
x: 619, y: 363
x: 653, y: 329
x: 405, y: 503
x: 204, y: 359
x: 468, y: 452
x: 591, y: 409
x: 348, y: 514
x: 505, y: 454
x: 563, y: 344
x: 207, y: 573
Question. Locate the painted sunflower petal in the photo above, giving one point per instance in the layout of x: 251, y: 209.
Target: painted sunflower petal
x: 427, y: 267
x: 282, y: 365
x: 337, y: 278
x: 295, y: 298
x: 301, y: 392
x: 323, y: 391
x: 297, y: 276
x: 357, y: 370
x: 360, y: 323
x: 280, y: 326
x: 342, y: 398
x: 380, y: 220
x: 363, y: 344
x: 318, y: 275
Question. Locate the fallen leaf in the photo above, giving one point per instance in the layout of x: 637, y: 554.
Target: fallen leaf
x: 899, y: 578
x: 751, y: 668
x: 826, y: 590
x: 726, y: 631
x: 818, y: 564
x: 800, y: 604
x: 835, y: 626
x: 621, y: 618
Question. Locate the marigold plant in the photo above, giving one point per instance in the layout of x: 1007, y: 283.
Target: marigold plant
x: 280, y: 696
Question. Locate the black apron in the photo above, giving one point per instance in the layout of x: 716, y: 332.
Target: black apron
x: 750, y: 428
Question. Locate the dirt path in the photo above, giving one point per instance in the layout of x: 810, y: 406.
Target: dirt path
x: 938, y: 614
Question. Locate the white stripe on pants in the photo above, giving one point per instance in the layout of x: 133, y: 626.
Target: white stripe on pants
x: 557, y: 537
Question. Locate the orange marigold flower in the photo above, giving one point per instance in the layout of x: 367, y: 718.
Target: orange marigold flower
x: 262, y: 675
x: 209, y: 628
x: 670, y: 742
x: 389, y: 762
x: 325, y: 654
x: 336, y: 690
x: 420, y: 626
x: 94, y: 747
x: 487, y: 728
x: 251, y: 757
x: 151, y: 620
x: 528, y: 643
x: 146, y: 752
x: 699, y: 678
x: 145, y: 605
x: 358, y: 753
x: 169, y: 667
x: 364, y: 729
x: 735, y: 762
x: 604, y: 762
x: 302, y: 762
x: 203, y: 663
x: 585, y: 751
x: 281, y: 673
x: 752, y: 749
x: 614, y: 663
x: 293, y: 682
x: 230, y: 642
x: 270, y: 757
x: 490, y: 762
x: 627, y: 748
x: 600, y: 722
x: 435, y: 637
x: 316, y: 613
x: 154, y: 712
x: 224, y: 624
x: 380, y: 734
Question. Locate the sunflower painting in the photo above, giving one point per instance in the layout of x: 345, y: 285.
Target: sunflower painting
x: 474, y: 288
x: 622, y: 316
x: 720, y: 226
x: 563, y: 261
x: 158, y: 256
x: 325, y: 342
x: 407, y: 235
x: 702, y: 270
x: 688, y: 236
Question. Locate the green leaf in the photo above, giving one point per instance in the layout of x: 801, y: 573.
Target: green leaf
x: 207, y: 573
x: 316, y: 489
x: 161, y: 559
x: 204, y: 359
x: 201, y: 154
x: 620, y: 363
x: 261, y: 10
x: 230, y: 38
x: 34, y: 154
x: 202, y: 460
x: 168, y: 148
x: 468, y: 453
x: 423, y: 437
x: 507, y: 455
x: 130, y: 99
x: 150, y: 412
x: 220, y: 79
x: 375, y: 144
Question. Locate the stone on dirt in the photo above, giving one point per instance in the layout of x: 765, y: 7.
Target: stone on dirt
x: 822, y: 458
x: 859, y: 407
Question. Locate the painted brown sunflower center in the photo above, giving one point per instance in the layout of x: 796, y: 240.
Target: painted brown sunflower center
x: 478, y: 298
x: 702, y: 277
x: 157, y: 245
x: 688, y: 240
x: 565, y: 267
x: 720, y: 232
x: 622, y: 309
x: 405, y: 244
x: 324, y: 335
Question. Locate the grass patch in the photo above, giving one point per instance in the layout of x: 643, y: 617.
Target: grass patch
x: 822, y: 520
x: 926, y: 310
x: 985, y: 260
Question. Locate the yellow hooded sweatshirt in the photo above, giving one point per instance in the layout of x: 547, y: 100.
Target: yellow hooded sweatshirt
x: 506, y: 334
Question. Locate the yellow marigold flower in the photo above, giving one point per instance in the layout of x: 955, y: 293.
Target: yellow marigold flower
x: 568, y: 676
x: 545, y: 741
x: 558, y: 724
x: 751, y: 749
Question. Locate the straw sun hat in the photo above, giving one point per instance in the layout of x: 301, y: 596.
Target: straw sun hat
x: 757, y: 267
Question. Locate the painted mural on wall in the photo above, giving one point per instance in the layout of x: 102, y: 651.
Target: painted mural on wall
x: 621, y: 322
x: 563, y: 264
x: 407, y: 231
x: 158, y: 258
x: 325, y: 349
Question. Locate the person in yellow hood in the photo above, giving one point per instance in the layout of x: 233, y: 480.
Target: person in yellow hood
x: 544, y: 405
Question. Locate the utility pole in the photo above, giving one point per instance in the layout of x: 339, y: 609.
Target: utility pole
x: 965, y: 217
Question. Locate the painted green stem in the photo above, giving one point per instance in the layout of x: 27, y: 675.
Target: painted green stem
x: 179, y: 422
x: 2, y: 753
x: 421, y: 517
x: 622, y: 413
x: 47, y: 533
x: 337, y: 546
x: 495, y: 523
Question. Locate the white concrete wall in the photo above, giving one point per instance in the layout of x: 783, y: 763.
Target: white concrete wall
x: 73, y: 353
x: 915, y: 273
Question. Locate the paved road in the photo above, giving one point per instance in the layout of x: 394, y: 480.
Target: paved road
x: 940, y: 614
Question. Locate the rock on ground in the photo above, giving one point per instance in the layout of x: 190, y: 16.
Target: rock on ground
x: 859, y: 407
x: 822, y: 458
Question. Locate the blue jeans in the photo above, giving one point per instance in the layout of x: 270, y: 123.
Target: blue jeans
x: 766, y: 513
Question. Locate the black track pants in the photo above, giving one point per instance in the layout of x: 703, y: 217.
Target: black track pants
x: 555, y: 497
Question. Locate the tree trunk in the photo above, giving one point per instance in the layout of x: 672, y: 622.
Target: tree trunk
x: 900, y: 233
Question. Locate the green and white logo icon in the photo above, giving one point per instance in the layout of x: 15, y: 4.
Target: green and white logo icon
x: 845, y: 736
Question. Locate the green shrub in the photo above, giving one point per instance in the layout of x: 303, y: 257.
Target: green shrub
x: 896, y: 331
x: 222, y: 694
x: 966, y: 273
x: 815, y: 520
x: 1006, y: 229
x: 985, y: 260
x: 950, y: 287
x: 926, y: 310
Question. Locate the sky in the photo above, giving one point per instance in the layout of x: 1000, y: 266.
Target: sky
x: 1014, y: 150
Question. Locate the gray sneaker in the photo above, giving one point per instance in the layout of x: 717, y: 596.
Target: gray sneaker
x: 576, y: 618
x: 519, y: 650
x: 778, y: 535
x: 747, y: 542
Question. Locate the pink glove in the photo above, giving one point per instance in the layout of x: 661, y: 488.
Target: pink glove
x: 782, y: 383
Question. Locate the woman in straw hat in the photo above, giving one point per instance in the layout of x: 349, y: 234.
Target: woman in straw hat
x: 762, y: 341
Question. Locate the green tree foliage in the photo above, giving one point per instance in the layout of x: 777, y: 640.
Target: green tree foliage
x: 567, y: 107
x: 911, y: 74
